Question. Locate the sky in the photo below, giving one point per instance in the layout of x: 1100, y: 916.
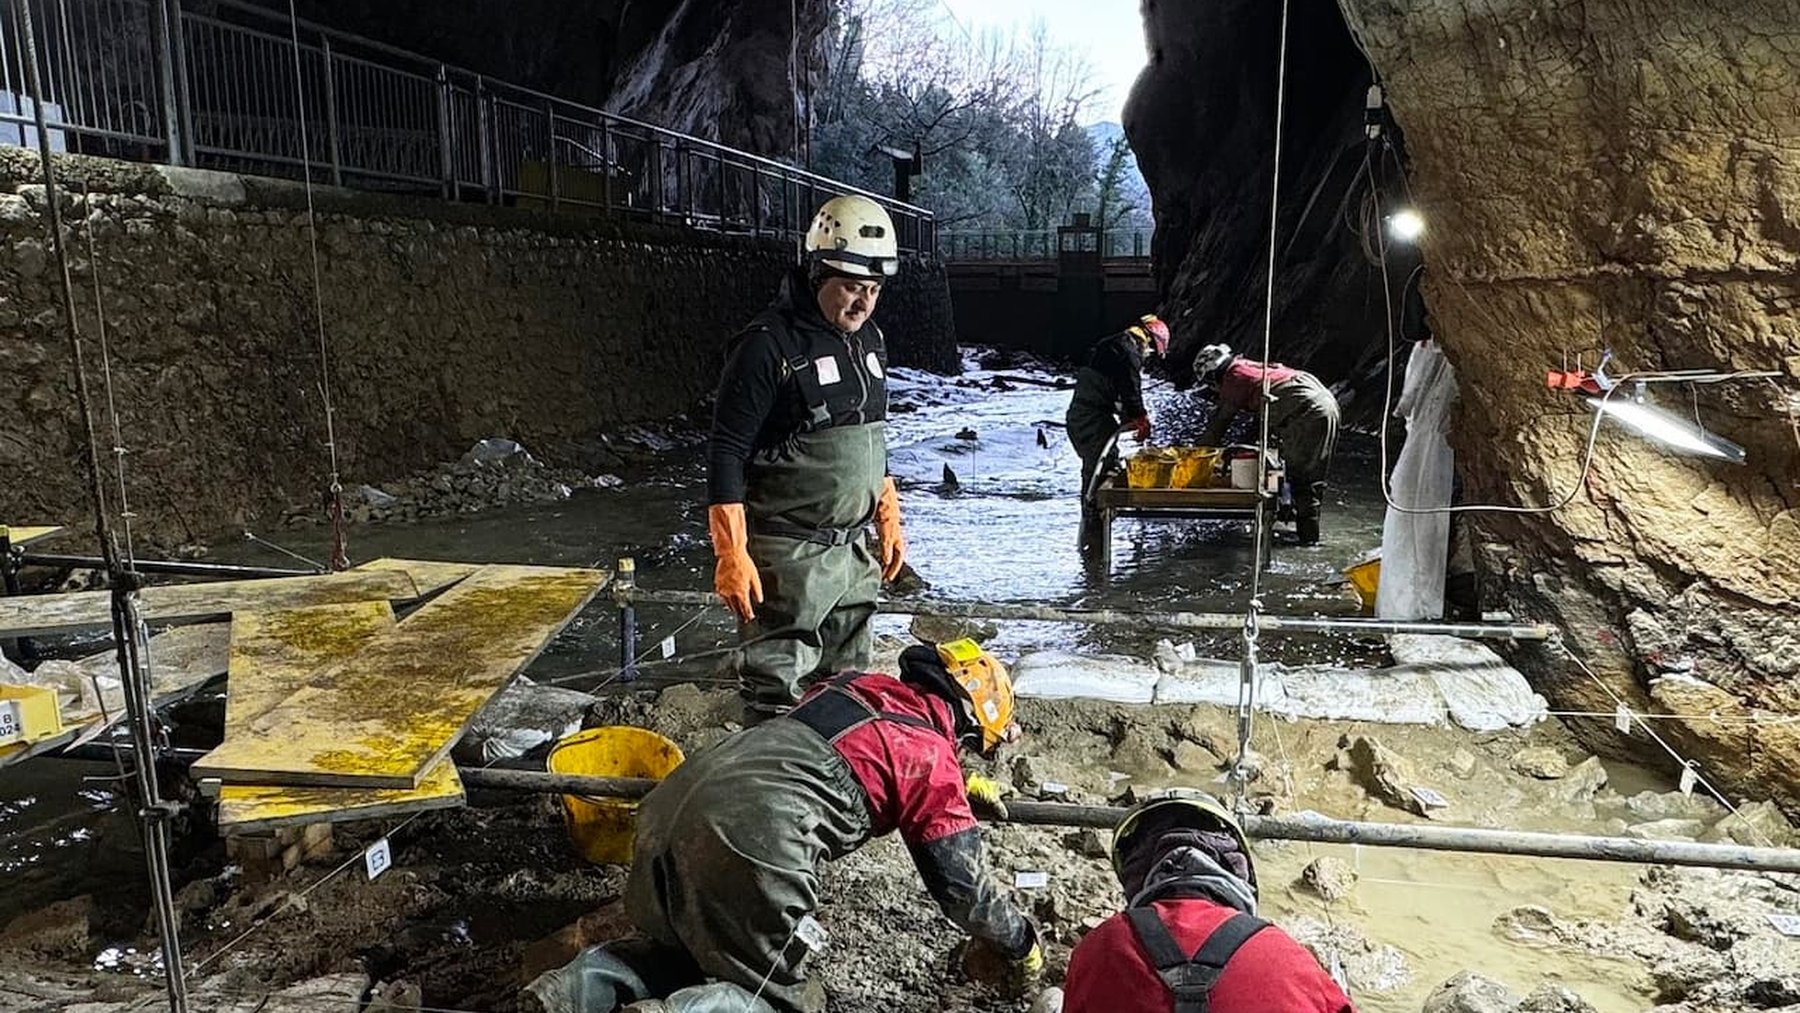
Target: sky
x: 1109, y: 33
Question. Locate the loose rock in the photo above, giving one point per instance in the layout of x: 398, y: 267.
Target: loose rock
x: 1470, y: 992
x: 1541, y: 762
x: 1330, y: 878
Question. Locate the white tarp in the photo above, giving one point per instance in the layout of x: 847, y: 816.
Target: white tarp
x: 1416, y: 546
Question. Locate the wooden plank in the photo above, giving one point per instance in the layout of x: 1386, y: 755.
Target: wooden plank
x: 23, y: 536
x: 392, y: 710
x: 1198, y: 499
x: 429, y: 576
x: 273, y: 656
x: 244, y: 808
x: 36, y: 615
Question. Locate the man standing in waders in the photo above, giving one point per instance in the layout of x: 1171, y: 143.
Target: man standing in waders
x: 797, y: 465
x: 1109, y: 394
x: 1303, y: 420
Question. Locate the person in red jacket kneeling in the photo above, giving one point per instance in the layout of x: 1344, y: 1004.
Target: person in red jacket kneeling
x: 1189, y: 940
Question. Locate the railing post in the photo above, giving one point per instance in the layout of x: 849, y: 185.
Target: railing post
x: 755, y: 200
x: 184, y: 103
x: 683, y: 202
x: 446, y: 157
x: 724, y: 191
x: 483, y: 124
x: 606, y: 165
x: 657, y: 191
x: 163, y: 11
x: 331, y: 111
x: 550, y: 126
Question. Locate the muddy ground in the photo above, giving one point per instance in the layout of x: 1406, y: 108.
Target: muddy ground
x: 476, y: 897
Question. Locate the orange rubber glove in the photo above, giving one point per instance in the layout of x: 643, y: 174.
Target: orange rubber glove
x: 734, y: 577
x: 1141, y: 426
x: 887, y: 530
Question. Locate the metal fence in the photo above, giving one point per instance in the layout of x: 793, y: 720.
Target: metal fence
x: 1042, y: 244
x: 211, y: 83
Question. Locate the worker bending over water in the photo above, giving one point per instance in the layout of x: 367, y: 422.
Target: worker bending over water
x: 1303, y: 420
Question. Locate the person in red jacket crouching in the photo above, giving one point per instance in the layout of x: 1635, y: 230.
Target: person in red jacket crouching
x: 1189, y: 940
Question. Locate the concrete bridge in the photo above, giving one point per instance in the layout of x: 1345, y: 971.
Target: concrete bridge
x: 1050, y: 292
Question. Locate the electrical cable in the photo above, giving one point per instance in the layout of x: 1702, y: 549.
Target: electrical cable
x: 340, y: 559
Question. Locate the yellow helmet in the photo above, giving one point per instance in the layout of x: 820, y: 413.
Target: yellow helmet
x: 1183, y: 808
x: 853, y: 235
x: 984, y: 686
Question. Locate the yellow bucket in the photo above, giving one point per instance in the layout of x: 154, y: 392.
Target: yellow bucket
x: 1149, y: 469
x: 1365, y: 577
x: 1195, y: 467
x: 601, y: 828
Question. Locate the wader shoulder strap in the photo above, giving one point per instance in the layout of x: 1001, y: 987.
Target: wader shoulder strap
x: 1191, y: 979
x: 805, y: 374
x: 837, y: 712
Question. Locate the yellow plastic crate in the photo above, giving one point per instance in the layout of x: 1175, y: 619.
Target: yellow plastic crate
x: 1365, y: 577
x: 28, y: 714
x: 1195, y: 467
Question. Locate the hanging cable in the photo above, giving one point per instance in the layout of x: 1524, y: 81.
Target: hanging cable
x: 112, y: 406
x: 1248, y: 674
x: 340, y: 552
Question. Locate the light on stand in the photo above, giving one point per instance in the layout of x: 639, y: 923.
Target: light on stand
x: 1405, y: 225
x: 1667, y: 428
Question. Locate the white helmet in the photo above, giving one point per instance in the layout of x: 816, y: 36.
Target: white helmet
x: 853, y: 235
x: 1211, y: 359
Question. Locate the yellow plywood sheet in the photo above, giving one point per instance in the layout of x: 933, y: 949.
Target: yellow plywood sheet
x: 246, y: 808
x: 34, y: 615
x: 429, y: 576
x: 21, y: 536
x: 273, y: 656
x: 393, y: 709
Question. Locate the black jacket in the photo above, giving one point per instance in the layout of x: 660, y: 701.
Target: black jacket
x: 1119, y: 359
x: 790, y: 372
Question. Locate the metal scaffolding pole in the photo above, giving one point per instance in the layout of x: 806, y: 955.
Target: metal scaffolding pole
x: 1303, y: 827
x: 1220, y: 621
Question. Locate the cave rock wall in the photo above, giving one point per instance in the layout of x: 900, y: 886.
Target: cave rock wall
x: 1623, y: 174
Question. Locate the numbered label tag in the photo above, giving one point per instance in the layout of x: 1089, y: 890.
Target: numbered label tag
x: 1622, y: 719
x: 668, y: 647
x: 1787, y: 925
x: 11, y: 725
x: 1031, y: 880
x: 378, y: 859
x: 1430, y: 798
x: 1055, y: 788
x: 810, y: 932
x: 1688, y: 776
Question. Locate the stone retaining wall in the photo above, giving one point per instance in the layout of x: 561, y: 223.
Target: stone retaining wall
x: 445, y: 324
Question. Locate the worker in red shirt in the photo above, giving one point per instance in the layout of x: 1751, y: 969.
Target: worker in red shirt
x: 1189, y: 940
x: 1303, y: 420
x: 728, y: 847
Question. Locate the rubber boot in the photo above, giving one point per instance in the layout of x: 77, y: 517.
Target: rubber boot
x: 1307, y: 528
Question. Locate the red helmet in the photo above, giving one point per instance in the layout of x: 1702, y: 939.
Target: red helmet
x: 1152, y: 332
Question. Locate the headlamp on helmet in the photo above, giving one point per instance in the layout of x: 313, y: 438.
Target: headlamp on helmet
x: 854, y: 237
x: 984, y: 687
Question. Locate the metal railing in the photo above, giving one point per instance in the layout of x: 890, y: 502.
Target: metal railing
x: 211, y: 83
x: 1039, y: 245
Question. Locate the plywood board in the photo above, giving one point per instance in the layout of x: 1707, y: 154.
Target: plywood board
x: 429, y: 576
x: 35, y: 615
x: 246, y: 808
x: 273, y: 656
x: 386, y: 715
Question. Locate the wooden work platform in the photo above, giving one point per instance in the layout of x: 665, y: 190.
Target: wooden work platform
x: 273, y: 656
x: 1115, y: 499
x: 391, y: 710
